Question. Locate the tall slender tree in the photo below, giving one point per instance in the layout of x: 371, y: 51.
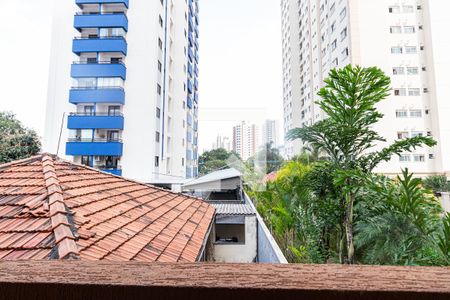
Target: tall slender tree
x: 347, y: 137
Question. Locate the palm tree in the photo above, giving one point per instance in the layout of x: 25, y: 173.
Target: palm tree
x: 349, y: 98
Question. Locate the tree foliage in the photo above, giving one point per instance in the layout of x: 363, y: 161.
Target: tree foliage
x: 347, y: 137
x: 214, y: 160
x: 16, y: 141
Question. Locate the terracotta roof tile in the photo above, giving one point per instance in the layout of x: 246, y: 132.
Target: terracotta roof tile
x: 51, y: 209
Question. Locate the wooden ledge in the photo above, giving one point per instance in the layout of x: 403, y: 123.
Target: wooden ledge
x: 109, y: 280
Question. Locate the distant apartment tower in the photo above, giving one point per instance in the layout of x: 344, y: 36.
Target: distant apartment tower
x: 123, y: 86
x: 222, y: 142
x: 246, y: 140
x: 270, y: 133
x: 407, y: 39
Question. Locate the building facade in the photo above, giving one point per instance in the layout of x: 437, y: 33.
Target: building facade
x: 123, y: 86
x: 406, y: 39
x: 222, y: 142
x: 271, y: 133
x: 246, y: 140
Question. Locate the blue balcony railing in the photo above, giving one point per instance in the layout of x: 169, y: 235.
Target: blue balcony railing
x: 117, y: 172
x: 191, y: 55
x: 100, y: 69
x: 97, y: 95
x: 82, y: 2
x: 189, y: 69
x: 115, y: 20
x: 189, y: 86
x: 96, y: 147
x: 95, y: 121
x: 189, y: 102
x: 196, y: 97
x: 104, y: 44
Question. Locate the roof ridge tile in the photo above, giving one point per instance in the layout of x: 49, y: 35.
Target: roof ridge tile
x: 64, y: 237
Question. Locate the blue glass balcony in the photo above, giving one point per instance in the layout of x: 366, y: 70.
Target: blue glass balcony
x: 97, y: 95
x: 196, y: 97
x: 118, y: 20
x: 189, y: 86
x: 189, y: 137
x: 189, y: 102
x: 94, y: 148
x: 189, y: 69
x: 97, y: 121
x: 110, y: 44
x: 196, y: 84
x: 89, y: 70
x: 82, y: 2
x: 190, y: 55
x: 117, y: 172
x: 196, y: 70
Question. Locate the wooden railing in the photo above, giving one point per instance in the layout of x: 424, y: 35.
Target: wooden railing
x: 105, y: 280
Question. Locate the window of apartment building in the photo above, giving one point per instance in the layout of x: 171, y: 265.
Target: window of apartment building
x: 396, y: 50
x: 419, y: 158
x: 405, y: 158
x: 157, y: 136
x: 394, y: 9
x: 332, y: 9
x: 159, y: 66
x: 402, y: 135
x: 114, y: 110
x: 86, y: 160
x: 345, y: 53
x: 160, y: 43
x: 182, y: 162
x: 158, y: 112
x: 343, y: 13
x: 333, y: 45
x: 157, y: 161
x: 409, y: 29
x: 344, y: 34
x: 398, y: 71
x: 335, y: 62
x: 401, y: 113
x: 413, y: 70
x: 416, y: 133
x: 413, y: 92
x: 158, y: 89
x: 411, y: 49
x: 415, y: 113
x: 160, y: 21
x: 400, y: 92
x: 408, y: 9
x: 333, y: 27
x: 396, y: 29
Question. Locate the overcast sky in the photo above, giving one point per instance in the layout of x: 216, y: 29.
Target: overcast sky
x: 240, y: 62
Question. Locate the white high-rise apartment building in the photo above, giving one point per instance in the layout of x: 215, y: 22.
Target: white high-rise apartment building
x: 407, y: 39
x: 123, y: 87
x: 246, y: 140
x: 222, y: 142
x: 271, y: 132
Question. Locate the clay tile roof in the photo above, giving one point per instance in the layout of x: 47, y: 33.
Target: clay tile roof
x: 54, y: 209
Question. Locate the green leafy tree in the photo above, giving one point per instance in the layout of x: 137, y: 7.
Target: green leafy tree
x: 16, y: 141
x: 437, y: 183
x: 402, y: 225
x: 269, y: 156
x: 214, y: 160
x: 349, y: 98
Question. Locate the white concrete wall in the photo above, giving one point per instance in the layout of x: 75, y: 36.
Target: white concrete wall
x: 246, y: 253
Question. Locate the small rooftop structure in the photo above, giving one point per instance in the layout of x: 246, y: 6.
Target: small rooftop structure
x: 239, y: 234
x: 222, y: 180
x: 54, y: 209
